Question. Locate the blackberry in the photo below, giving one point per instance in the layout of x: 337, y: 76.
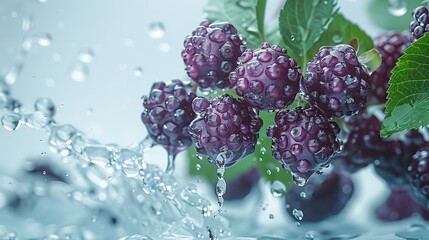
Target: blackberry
x: 303, y: 141
x: 167, y: 114
x: 211, y: 53
x: 420, y: 24
x: 399, y: 205
x: 225, y: 130
x: 267, y: 78
x: 241, y: 186
x: 418, y: 176
x: 363, y: 145
x: 336, y: 82
x: 325, y: 196
x: 391, y: 46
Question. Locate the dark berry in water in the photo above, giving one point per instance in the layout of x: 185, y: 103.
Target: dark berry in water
x: 418, y: 176
x: 420, y: 24
x: 267, y: 78
x: 303, y: 141
x: 363, y: 144
x: 167, y: 114
x: 391, y: 46
x: 325, y: 196
x: 399, y: 205
x: 336, y: 82
x: 226, y: 129
x: 211, y: 53
x: 239, y: 187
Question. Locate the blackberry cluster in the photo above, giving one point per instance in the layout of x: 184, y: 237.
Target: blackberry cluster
x: 225, y: 130
x: 241, y: 186
x: 303, y: 141
x: 391, y: 46
x: 325, y: 196
x: 211, y: 53
x: 167, y: 114
x: 267, y: 78
x: 399, y: 205
x: 420, y: 24
x: 336, y: 82
x: 418, y: 176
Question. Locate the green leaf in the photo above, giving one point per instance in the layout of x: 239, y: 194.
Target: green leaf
x: 408, y: 95
x: 302, y: 22
x: 260, y: 17
x: 240, y: 13
x: 341, y: 31
x: 371, y: 58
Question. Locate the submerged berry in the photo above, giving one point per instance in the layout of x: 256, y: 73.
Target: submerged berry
x: 267, y: 78
x: 167, y: 114
x: 303, y: 141
x: 239, y: 187
x: 420, y: 24
x: 418, y: 176
x: 336, y: 82
x: 325, y: 196
x: 399, y: 205
x: 211, y: 53
x: 225, y: 130
x: 391, y: 46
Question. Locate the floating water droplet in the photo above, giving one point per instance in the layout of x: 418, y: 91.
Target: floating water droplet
x: 164, y: 47
x: 11, y: 122
x: 303, y: 195
x: 271, y: 216
x: 27, y: 22
x: 86, y: 55
x: 45, y: 106
x: 13, y: 73
x: 44, y: 40
x: 397, y: 7
x: 298, y: 214
x: 278, y: 189
x: 138, y: 71
x: 156, y: 30
x: 79, y: 72
x: 309, y: 236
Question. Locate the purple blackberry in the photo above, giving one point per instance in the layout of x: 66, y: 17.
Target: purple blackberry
x: 399, y: 205
x: 241, y: 186
x: 420, y: 24
x: 418, y: 176
x: 336, y: 82
x: 167, y: 114
x: 325, y: 196
x: 267, y: 78
x: 391, y: 46
x: 211, y: 53
x: 225, y: 130
x: 303, y: 141
x: 363, y: 145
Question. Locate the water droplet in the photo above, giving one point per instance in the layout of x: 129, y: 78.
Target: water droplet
x: 220, y: 185
x: 298, y: 214
x: 263, y: 150
x: 397, y: 7
x: 79, y: 72
x: 269, y: 172
x: 198, y: 167
x: 130, y: 168
x: 44, y: 40
x: 164, y: 47
x: 277, y: 169
x: 303, y: 195
x: 11, y: 122
x: 246, y: 3
x: 337, y: 38
x: 45, y: 106
x: 243, y: 39
x: 271, y: 216
x: 13, y: 73
x: 27, y: 22
x: 86, y: 55
x: 156, y: 30
x: 309, y: 236
x: 300, y: 181
x: 278, y: 189
x: 292, y: 38
x: 44, y: 172
x: 138, y: 71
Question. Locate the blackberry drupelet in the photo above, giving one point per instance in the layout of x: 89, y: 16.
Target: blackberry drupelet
x: 420, y: 24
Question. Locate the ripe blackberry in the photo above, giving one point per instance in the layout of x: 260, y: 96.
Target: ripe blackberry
x: 420, y: 24
x: 418, y: 176
x: 391, y: 46
x: 211, y: 53
x: 336, y: 82
x: 399, y: 205
x: 241, y: 186
x: 325, y: 196
x: 167, y: 114
x: 363, y: 145
x: 303, y: 141
x: 225, y: 130
x: 267, y: 78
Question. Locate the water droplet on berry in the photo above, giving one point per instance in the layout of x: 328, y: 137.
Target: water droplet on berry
x: 198, y: 167
x: 11, y: 122
x: 397, y: 7
x: 86, y: 55
x: 278, y: 189
x: 156, y: 30
x: 298, y: 214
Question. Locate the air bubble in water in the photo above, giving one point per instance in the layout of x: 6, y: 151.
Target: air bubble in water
x: 298, y: 214
x: 44, y: 40
x: 397, y: 7
x: 138, y: 71
x: 156, y: 30
x: 79, y: 72
x: 86, y: 55
x: 11, y: 122
x: 45, y: 106
x: 278, y: 189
